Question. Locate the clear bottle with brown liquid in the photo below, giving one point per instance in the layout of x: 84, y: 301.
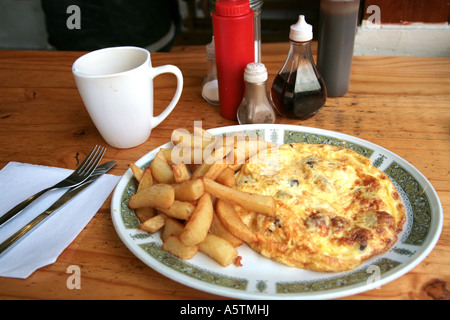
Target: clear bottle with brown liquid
x: 298, y: 91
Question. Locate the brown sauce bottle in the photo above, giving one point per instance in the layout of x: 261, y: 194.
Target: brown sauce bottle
x: 337, y: 29
x: 298, y: 91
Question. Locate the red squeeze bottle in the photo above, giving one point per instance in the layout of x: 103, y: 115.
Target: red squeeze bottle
x: 233, y: 25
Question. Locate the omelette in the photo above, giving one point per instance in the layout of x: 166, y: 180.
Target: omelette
x: 334, y: 208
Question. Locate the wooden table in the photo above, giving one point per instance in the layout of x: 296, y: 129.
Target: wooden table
x: 399, y: 103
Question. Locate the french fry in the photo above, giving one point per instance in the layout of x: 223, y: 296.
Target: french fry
x: 248, y: 147
x: 137, y: 172
x: 167, y: 153
x: 161, y: 170
x: 171, y: 227
x: 153, y: 224
x: 207, y: 138
x: 188, y: 155
x: 193, y: 167
x: 235, y: 167
x: 201, y: 170
x: 217, y: 152
x: 143, y: 214
x: 198, y: 225
x: 218, y: 249
x: 146, y: 179
x: 231, y: 220
x: 180, y: 172
x: 190, y: 190
x: 168, y: 194
x: 218, y: 229
x: 215, y: 170
x: 182, y: 138
x: 227, y: 177
x: 199, y: 131
x: 174, y: 246
x: 179, y: 210
x: 250, y: 201
x: 158, y: 195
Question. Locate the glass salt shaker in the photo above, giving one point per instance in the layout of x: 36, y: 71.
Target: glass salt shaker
x: 210, y: 87
x: 256, y: 106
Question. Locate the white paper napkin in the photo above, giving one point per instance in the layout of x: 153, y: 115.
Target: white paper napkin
x: 43, y: 245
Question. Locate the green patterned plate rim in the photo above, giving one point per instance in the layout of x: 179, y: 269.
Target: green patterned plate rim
x: 261, y: 278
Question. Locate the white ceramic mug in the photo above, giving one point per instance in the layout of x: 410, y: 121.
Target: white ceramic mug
x: 116, y: 85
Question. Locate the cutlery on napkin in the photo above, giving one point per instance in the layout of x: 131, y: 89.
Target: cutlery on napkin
x: 46, y: 242
x: 79, y: 175
x: 62, y: 201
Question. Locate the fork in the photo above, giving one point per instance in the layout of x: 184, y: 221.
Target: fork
x: 83, y: 172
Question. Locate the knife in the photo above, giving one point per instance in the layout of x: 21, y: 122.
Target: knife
x: 64, y: 199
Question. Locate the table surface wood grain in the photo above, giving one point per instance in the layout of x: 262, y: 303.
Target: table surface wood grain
x: 399, y: 103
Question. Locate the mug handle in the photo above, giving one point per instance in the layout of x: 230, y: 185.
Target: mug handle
x: 177, y: 72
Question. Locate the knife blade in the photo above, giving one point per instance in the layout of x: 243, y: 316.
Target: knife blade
x: 58, y: 204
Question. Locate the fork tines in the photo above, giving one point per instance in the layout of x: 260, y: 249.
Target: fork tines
x: 92, y: 160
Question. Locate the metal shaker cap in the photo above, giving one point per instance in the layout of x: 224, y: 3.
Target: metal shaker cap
x: 255, y: 72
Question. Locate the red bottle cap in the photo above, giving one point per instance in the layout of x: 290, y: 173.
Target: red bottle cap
x: 232, y: 8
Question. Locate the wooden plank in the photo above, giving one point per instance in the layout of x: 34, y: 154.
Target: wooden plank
x: 400, y: 103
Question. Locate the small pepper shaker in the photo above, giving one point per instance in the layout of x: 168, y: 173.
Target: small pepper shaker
x: 210, y: 87
x: 256, y: 106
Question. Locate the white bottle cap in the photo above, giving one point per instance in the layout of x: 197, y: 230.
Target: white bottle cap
x: 255, y: 72
x: 301, y: 31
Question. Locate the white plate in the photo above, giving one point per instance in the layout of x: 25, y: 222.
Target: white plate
x: 261, y: 278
